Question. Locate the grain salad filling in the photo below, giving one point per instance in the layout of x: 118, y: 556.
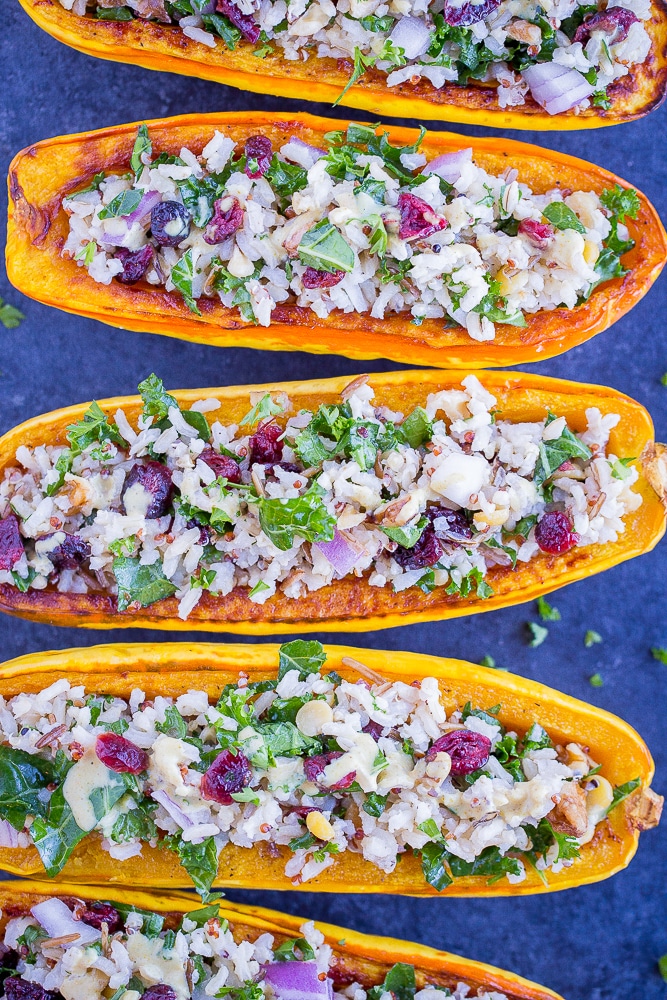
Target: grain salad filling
x: 291, y: 500
x: 358, y: 226
x: 64, y: 948
x: 308, y: 763
x: 564, y: 53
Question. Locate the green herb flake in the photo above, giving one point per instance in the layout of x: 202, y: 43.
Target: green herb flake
x: 538, y: 634
x: 324, y: 248
x: 595, y: 680
x: 662, y: 966
x: 140, y: 584
x: 659, y: 653
x: 263, y: 409
x: 592, y: 639
x: 546, y: 612
x: 143, y: 147
x: 621, y: 792
x: 562, y: 217
x: 123, y: 204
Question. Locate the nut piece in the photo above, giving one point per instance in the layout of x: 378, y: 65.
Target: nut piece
x: 654, y: 464
x: 570, y: 815
x: 644, y: 809
x: 319, y: 826
x: 312, y: 716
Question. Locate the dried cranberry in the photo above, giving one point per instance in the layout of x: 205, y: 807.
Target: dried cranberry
x: 244, y: 22
x: 374, y: 728
x: 312, y: 278
x: 314, y: 768
x: 286, y: 467
x: 160, y: 992
x: 468, y: 750
x: 469, y: 13
x: 11, y: 545
x: 221, y: 465
x: 20, y: 989
x: 458, y: 527
x: 258, y: 154
x: 98, y: 913
x: 204, y: 530
x: 228, y: 773
x: 170, y: 223
x: 227, y: 219
x: 71, y: 552
x: 135, y: 264
x: 614, y: 21
x: 265, y: 448
x: 120, y: 754
x: 417, y: 217
x: 540, y: 234
x: 426, y: 552
x: 155, y: 478
x: 554, y: 532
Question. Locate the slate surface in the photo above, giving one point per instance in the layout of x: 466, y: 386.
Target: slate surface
x: 591, y: 943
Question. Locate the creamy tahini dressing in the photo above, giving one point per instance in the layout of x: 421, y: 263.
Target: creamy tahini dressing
x: 157, y: 966
x: 82, y: 779
x: 137, y: 500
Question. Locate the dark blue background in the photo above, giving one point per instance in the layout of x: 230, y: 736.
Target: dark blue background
x: 590, y: 943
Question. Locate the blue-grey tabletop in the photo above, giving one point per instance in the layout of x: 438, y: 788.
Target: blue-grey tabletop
x: 590, y: 943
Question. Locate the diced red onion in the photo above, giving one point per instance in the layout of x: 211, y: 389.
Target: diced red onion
x: 57, y: 920
x: 297, y: 981
x: 449, y: 166
x: 341, y: 553
x: 8, y: 835
x: 184, y: 820
x: 556, y: 88
x: 147, y: 203
x: 411, y: 35
x: 300, y: 152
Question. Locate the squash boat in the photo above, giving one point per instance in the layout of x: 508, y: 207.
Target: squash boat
x: 387, y: 500
x: 379, y: 277
x: 361, y: 958
x: 505, y: 801
x: 264, y: 69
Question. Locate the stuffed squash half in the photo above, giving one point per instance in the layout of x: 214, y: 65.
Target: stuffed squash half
x: 405, y: 497
x: 80, y: 945
x: 296, y: 232
x: 546, y: 66
x: 305, y: 766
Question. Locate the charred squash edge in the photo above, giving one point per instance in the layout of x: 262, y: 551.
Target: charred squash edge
x: 351, y: 604
x: 161, y: 47
x: 365, y: 958
x: 41, y: 175
x: 172, y: 668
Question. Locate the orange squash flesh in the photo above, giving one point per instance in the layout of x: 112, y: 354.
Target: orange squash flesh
x: 352, y: 604
x: 170, y: 669
x: 364, y: 958
x: 40, y: 176
x: 162, y: 47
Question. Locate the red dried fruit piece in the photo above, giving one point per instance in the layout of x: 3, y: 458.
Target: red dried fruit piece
x: 469, y: 13
x: 258, y: 153
x: 374, y: 728
x: 20, y: 989
x: 417, y: 217
x: 170, y: 223
x: 244, y: 22
x: 11, y: 544
x: 160, y: 992
x: 227, y: 219
x: 314, y: 768
x: 458, y: 528
x: 614, y: 21
x: 135, y: 264
x: 553, y: 533
x: 120, y: 754
x: 265, y: 446
x: 98, y: 913
x: 468, y: 751
x: 70, y: 553
x: 228, y: 773
x: 425, y: 552
x: 312, y: 278
x: 540, y: 234
x: 222, y: 465
x: 156, y: 480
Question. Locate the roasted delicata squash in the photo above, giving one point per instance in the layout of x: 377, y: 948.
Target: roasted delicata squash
x: 304, y: 766
x: 299, y: 233
x: 491, y: 63
x: 244, y: 950
x: 405, y: 497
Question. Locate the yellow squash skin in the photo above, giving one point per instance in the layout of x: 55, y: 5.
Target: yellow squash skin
x: 171, y: 669
x: 364, y: 958
x: 351, y: 604
x: 40, y: 176
x: 161, y: 47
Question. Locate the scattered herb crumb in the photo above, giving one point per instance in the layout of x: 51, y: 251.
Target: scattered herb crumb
x: 10, y: 316
x: 596, y: 681
x: 546, y: 612
x: 538, y: 634
x: 664, y: 379
x: 342, y: 942
x: 662, y: 966
x: 488, y: 661
x: 659, y: 653
x: 592, y: 638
